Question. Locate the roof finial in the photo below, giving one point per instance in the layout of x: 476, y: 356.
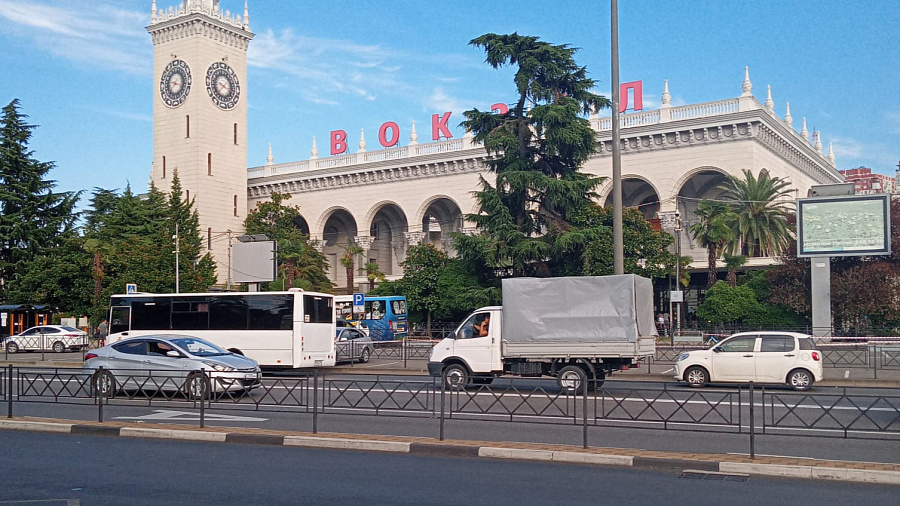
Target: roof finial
x: 315, y: 150
x: 770, y: 104
x: 246, y: 17
x: 787, y: 117
x: 413, y: 136
x: 831, y: 153
x: 269, y: 157
x: 362, y: 140
x: 666, y: 98
x: 153, y: 12
x: 818, y: 138
x: 804, y: 133
x: 747, y: 87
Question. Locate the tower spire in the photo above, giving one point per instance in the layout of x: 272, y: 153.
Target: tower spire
x: 666, y: 98
x: 747, y: 87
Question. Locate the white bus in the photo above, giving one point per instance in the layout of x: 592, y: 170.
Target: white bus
x: 277, y: 329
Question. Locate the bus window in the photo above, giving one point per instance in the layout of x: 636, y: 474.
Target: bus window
x: 317, y: 309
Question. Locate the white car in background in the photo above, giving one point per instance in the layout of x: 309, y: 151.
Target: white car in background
x: 762, y: 357
x: 57, y: 338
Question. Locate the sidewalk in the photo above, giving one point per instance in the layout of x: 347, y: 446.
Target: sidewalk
x: 696, y: 465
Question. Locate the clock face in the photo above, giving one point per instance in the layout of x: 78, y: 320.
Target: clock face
x: 223, y: 85
x: 175, y: 83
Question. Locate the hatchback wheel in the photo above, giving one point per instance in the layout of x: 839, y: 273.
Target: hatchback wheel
x: 696, y: 377
x: 364, y: 356
x: 800, y: 379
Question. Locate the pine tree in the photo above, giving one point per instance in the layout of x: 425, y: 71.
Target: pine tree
x: 538, y: 146
x: 32, y: 216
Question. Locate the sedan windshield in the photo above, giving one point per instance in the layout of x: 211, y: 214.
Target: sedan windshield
x: 199, y: 347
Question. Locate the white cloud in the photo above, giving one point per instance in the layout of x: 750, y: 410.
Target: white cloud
x: 103, y: 35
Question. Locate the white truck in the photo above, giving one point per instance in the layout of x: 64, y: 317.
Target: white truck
x: 571, y: 328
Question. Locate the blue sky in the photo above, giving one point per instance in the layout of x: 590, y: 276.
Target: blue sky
x: 82, y: 70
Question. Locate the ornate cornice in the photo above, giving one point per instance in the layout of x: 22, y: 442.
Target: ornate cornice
x: 325, y: 179
x: 753, y: 126
x: 199, y: 24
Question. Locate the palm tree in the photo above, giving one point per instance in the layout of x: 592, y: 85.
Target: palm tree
x: 733, y: 263
x: 761, y: 219
x: 712, y: 232
x: 374, y: 273
x: 348, y: 260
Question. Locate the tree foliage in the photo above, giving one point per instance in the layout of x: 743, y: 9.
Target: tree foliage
x: 525, y: 216
x: 758, y: 203
x: 713, y: 231
x: 32, y: 217
x: 300, y: 263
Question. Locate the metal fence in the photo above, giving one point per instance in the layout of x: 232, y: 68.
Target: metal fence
x: 846, y: 413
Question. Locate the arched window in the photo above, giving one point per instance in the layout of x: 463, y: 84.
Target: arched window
x: 187, y: 195
x: 209, y: 164
x: 209, y: 238
x: 235, y: 134
x: 235, y: 205
x: 187, y: 126
x: 164, y: 167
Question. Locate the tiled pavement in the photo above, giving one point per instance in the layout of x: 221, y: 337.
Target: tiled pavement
x: 868, y: 472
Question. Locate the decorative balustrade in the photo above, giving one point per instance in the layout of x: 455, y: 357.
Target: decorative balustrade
x: 703, y: 110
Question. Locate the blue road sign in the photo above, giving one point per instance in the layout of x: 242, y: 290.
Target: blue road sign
x: 130, y: 288
x: 359, y: 299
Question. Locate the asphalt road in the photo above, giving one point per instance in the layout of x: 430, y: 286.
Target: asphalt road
x: 69, y: 470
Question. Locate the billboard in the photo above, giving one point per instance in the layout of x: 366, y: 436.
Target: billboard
x: 253, y: 262
x: 843, y: 226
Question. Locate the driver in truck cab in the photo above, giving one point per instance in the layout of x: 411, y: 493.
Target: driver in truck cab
x: 481, y: 329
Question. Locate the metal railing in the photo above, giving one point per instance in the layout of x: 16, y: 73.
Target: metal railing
x: 845, y: 413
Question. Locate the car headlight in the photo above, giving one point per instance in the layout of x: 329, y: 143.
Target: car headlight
x: 682, y: 356
x: 218, y: 367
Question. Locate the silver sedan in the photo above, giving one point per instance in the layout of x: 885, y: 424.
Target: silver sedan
x: 169, y: 363
x: 352, y: 345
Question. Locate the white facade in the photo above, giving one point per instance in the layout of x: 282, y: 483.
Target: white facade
x: 387, y: 200
x: 672, y: 157
x: 202, y: 131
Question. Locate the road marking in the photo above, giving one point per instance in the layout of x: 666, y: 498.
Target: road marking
x: 185, y: 416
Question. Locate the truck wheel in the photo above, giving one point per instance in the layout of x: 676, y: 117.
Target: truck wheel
x: 571, y: 380
x: 482, y: 381
x: 457, y: 377
x: 597, y: 382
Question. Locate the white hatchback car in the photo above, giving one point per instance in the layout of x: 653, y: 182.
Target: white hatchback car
x: 762, y: 357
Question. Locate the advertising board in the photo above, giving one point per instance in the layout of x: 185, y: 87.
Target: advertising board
x: 843, y: 226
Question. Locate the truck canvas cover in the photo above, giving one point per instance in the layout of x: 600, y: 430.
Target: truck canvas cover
x: 578, y: 309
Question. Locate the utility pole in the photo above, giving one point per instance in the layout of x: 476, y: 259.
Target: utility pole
x: 618, y: 237
x: 228, y: 282
x: 177, y: 251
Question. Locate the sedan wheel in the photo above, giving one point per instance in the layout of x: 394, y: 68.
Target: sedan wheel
x: 12, y: 348
x: 59, y: 347
x: 105, y: 383
x: 196, y: 387
x: 696, y: 377
x: 800, y: 379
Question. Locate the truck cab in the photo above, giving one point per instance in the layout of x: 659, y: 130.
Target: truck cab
x: 474, y: 347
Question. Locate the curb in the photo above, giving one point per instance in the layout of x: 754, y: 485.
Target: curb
x: 844, y: 471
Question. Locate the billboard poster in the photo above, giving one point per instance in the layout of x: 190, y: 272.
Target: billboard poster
x: 843, y: 226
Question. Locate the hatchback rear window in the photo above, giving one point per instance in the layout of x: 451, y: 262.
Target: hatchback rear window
x: 807, y: 344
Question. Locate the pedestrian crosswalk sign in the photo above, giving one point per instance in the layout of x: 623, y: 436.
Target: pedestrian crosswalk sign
x: 131, y: 288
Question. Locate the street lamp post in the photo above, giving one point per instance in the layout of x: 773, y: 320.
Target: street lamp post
x: 618, y: 236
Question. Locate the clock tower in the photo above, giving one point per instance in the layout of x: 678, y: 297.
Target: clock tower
x: 200, y: 114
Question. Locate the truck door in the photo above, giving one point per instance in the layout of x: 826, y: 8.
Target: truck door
x: 474, y: 342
